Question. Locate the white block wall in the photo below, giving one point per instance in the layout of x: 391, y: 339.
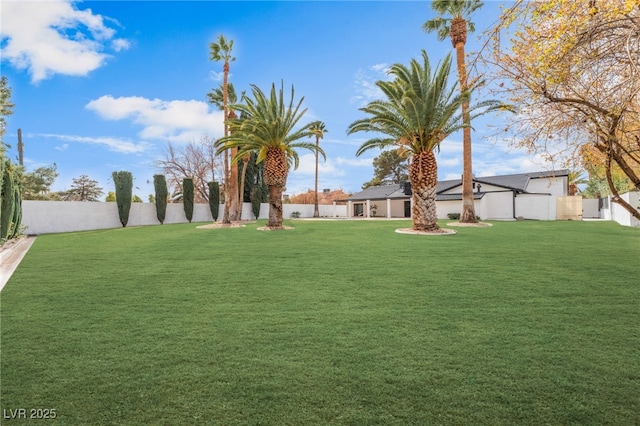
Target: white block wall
x: 43, y: 217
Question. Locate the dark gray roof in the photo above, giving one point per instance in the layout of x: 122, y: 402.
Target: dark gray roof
x: 515, y: 182
x: 519, y: 182
x: 458, y: 197
x: 381, y: 192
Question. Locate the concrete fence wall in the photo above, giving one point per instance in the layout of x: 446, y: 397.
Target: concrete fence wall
x: 614, y: 211
x: 45, y: 217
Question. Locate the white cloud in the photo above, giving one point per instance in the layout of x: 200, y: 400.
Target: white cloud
x: 307, y: 166
x: 120, y: 44
x: 179, y: 121
x: 113, y: 144
x: 54, y: 37
x: 355, y: 162
x: 216, y: 76
x: 365, y: 84
x: 63, y: 147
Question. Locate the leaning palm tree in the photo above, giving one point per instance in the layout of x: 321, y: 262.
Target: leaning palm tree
x: 318, y: 129
x: 456, y: 28
x: 267, y: 127
x: 420, y: 111
x: 221, y: 51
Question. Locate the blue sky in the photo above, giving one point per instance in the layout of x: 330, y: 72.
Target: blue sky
x: 104, y: 86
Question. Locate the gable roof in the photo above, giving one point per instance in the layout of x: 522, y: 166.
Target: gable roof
x: 382, y: 192
x: 514, y: 182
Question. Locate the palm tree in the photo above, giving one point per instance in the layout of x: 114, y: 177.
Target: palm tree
x: 419, y: 113
x: 318, y: 129
x: 267, y: 128
x: 216, y: 97
x: 456, y: 28
x: 221, y: 51
x: 576, y: 177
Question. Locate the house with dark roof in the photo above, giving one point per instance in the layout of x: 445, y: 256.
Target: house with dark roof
x: 527, y: 195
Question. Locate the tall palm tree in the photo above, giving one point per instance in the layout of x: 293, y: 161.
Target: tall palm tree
x: 420, y: 111
x: 456, y: 27
x: 216, y: 97
x: 318, y: 129
x: 267, y: 127
x: 221, y: 51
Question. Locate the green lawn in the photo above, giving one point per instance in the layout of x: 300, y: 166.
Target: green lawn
x: 340, y: 322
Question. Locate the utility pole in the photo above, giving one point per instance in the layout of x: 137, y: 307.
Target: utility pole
x: 20, y: 148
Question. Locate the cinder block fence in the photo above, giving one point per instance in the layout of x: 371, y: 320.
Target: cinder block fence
x: 45, y: 217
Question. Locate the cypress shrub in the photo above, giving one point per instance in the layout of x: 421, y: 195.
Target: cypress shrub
x: 214, y: 199
x: 124, y: 187
x: 7, y: 205
x: 187, y: 197
x: 258, y: 196
x: 160, y: 185
x: 255, y: 202
x: 10, y: 200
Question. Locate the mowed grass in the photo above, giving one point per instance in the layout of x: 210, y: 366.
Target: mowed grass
x: 343, y: 322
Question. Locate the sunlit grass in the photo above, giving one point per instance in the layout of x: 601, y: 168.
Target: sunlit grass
x: 331, y: 323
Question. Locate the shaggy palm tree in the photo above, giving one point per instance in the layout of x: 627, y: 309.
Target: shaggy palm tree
x: 456, y: 28
x: 420, y: 111
x: 267, y: 128
x: 318, y: 129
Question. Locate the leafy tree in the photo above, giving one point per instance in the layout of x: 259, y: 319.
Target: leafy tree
x: 111, y: 197
x: 196, y: 160
x: 83, y: 189
x: 254, y: 179
x: 221, y: 51
x: 267, y: 128
x: 187, y: 198
x: 37, y: 184
x: 214, y: 199
x: 10, y: 200
x: 162, y: 195
x: 597, y: 185
x: 456, y: 27
x: 420, y: 111
x: 6, y: 107
x: 388, y: 168
x: 572, y: 70
x: 10, y: 176
x: 123, y: 181
x: 318, y: 129
x: 152, y: 199
x: 136, y: 199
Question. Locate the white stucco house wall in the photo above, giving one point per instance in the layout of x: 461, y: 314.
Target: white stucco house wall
x: 524, y: 195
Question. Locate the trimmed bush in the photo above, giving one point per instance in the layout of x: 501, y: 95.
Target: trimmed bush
x: 258, y: 196
x: 8, y: 203
x: 162, y: 194
x: 10, y: 200
x: 214, y: 199
x: 187, y: 197
x: 124, y: 186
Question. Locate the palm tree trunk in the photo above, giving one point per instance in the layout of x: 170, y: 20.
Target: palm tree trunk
x: 316, y: 212
x: 423, y: 174
x: 459, y: 38
x: 275, y: 177
x: 275, y: 207
x: 245, y: 161
x: 227, y: 184
x: 233, y: 188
